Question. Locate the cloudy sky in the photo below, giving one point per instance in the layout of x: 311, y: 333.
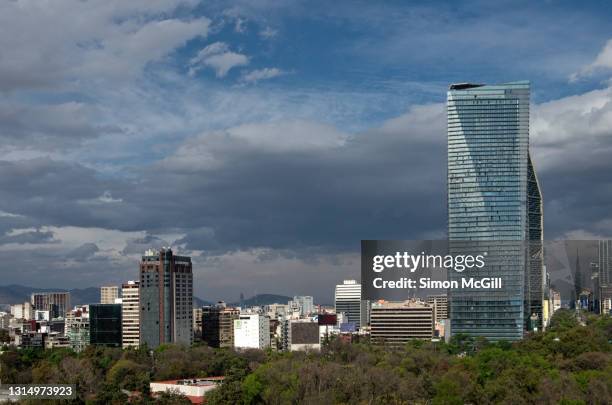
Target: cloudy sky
x: 267, y: 138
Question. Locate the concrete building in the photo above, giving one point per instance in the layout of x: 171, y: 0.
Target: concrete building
x: 166, y: 298
x: 197, y: 324
x: 194, y: 389
x: 302, y: 305
x: 300, y: 335
x: 347, y: 300
x: 77, y: 327
x: 130, y: 314
x: 395, y: 323
x: 218, y: 325
x: 276, y: 311
x: 439, y: 303
x: 108, y: 294
x: 251, y: 331
x: 23, y: 311
x: 57, y: 303
x: 494, y: 195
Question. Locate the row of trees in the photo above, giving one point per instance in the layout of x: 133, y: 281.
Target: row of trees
x: 569, y: 363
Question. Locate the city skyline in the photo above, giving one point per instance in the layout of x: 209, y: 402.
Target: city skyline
x: 265, y: 141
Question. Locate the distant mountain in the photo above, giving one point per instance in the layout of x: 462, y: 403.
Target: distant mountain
x: 263, y: 299
x: 15, y: 293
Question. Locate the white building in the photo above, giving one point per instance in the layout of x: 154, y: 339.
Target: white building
x: 347, y: 300
x: 23, y: 311
x: 130, y: 314
x: 252, y: 331
x: 194, y: 388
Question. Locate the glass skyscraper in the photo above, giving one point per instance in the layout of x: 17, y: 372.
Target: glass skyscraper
x: 494, y: 206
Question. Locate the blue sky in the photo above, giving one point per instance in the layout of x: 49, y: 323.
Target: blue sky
x: 266, y: 138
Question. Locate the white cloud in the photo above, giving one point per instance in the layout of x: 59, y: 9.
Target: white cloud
x: 602, y: 62
x: 219, y: 57
x: 261, y: 74
x: 46, y: 46
x: 268, y: 33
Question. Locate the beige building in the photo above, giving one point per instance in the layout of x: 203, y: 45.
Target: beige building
x: 108, y: 294
x: 440, y: 306
x: 396, y: 323
x: 130, y: 314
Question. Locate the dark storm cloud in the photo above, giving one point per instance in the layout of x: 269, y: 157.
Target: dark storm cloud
x: 29, y: 237
x: 49, y: 126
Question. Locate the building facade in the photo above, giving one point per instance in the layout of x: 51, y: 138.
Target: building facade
x: 108, y: 294
x: 166, y: 298
x: 130, y: 314
x: 347, y: 300
x: 105, y: 325
x: 252, y: 331
x: 439, y: 303
x: 396, y: 323
x: 218, y: 325
x: 57, y: 303
x: 494, y: 206
x: 304, y: 305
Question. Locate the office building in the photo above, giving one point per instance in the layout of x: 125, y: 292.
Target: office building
x: 395, y: 323
x: 251, y: 331
x: 197, y: 324
x: 130, y: 314
x: 604, y: 287
x: 347, y: 300
x: 439, y: 303
x: 302, y: 305
x: 494, y: 196
x: 57, y: 303
x: 105, y: 325
x: 166, y: 298
x: 218, y: 325
x: 108, y: 294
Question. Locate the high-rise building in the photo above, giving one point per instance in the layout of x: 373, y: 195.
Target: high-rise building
x: 304, y: 305
x: 77, y: 327
x: 347, y: 299
x: 130, y: 314
x: 395, y: 323
x: 439, y: 303
x: 197, y: 324
x: 57, y: 303
x: 251, y: 331
x: 494, y: 206
x: 166, y: 298
x: 108, y: 294
x: 218, y: 325
x: 105, y: 325
x: 604, y: 287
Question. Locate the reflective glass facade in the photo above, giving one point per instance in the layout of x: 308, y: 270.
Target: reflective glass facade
x: 494, y: 202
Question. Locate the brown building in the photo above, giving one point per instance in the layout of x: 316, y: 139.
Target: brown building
x: 218, y: 325
x: 395, y: 323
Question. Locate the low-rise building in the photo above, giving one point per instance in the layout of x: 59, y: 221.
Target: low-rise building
x: 193, y: 388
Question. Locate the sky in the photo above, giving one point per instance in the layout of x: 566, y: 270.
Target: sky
x: 267, y: 138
